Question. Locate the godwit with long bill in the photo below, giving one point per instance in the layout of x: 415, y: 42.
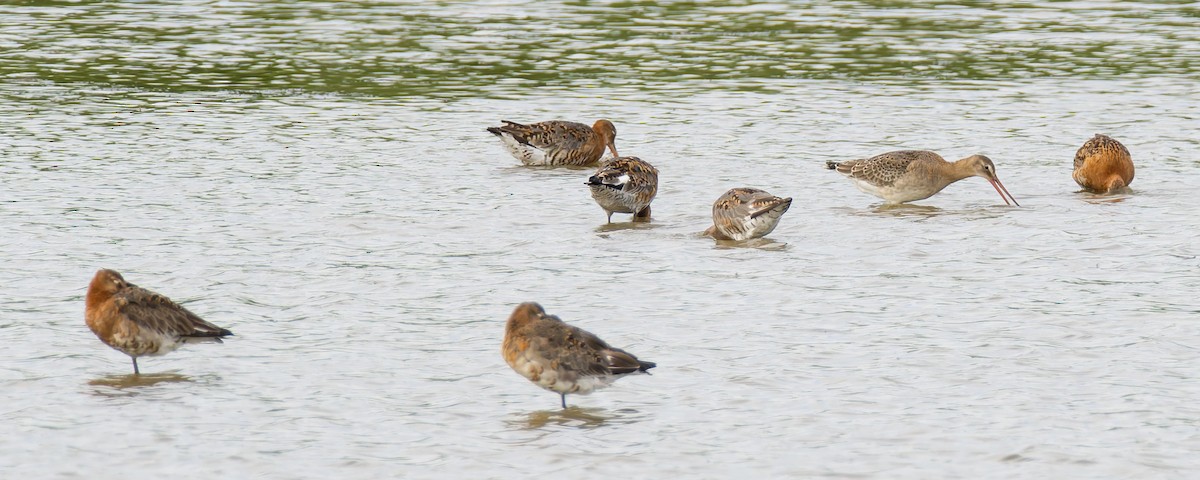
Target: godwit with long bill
x: 910, y: 175
x: 557, y: 142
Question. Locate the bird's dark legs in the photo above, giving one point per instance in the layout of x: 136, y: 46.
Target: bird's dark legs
x: 564, y: 400
x: 135, y: 369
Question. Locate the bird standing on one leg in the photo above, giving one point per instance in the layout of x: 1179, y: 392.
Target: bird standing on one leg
x: 562, y: 358
x: 138, y: 322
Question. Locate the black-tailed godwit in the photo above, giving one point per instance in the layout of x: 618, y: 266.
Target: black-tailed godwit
x: 746, y: 213
x: 557, y: 142
x: 138, y: 322
x: 1102, y: 164
x: 910, y: 175
x: 562, y: 358
x: 625, y: 185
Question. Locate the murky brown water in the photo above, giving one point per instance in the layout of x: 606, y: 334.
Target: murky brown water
x: 366, y: 240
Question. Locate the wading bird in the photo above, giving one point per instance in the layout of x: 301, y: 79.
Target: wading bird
x: 138, y: 322
x: 746, y: 213
x: 910, y: 175
x: 557, y: 142
x: 1102, y: 164
x: 625, y: 185
x: 562, y: 358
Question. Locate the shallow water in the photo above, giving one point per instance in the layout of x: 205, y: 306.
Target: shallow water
x: 316, y: 178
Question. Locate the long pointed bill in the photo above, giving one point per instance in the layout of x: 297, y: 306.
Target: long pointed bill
x: 1000, y: 186
x: 612, y: 146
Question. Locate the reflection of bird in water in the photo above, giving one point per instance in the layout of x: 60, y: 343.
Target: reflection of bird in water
x: 625, y: 185
x: 562, y: 358
x: 745, y: 213
x: 1103, y: 165
x: 910, y: 175
x: 120, y: 382
x: 139, y: 322
x: 573, y: 417
x: 557, y: 143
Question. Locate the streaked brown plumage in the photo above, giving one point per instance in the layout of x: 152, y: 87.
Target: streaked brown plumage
x: 625, y: 185
x: 746, y: 213
x: 557, y: 142
x: 138, y: 322
x: 909, y: 175
x: 1102, y: 164
x: 562, y: 358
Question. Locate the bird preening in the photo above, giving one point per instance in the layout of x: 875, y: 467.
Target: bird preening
x: 745, y: 213
x: 625, y: 185
x: 1103, y: 165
